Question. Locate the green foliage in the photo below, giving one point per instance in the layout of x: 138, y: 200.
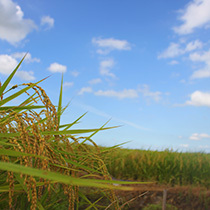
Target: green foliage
x: 165, y: 167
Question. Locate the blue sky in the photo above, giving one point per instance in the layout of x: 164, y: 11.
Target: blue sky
x: 143, y: 64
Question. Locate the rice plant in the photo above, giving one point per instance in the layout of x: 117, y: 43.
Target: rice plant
x: 43, y: 164
x: 166, y: 167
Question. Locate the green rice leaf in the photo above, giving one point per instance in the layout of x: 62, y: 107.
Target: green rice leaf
x: 76, y: 121
x: 76, y: 131
x: 6, y: 108
x: 18, y: 154
x: 58, y: 177
x: 60, y: 102
x: 68, y: 132
x: 4, y: 86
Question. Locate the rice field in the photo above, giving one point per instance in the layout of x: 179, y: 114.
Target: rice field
x: 47, y: 165
x: 166, y: 167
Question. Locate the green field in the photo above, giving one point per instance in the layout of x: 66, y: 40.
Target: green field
x: 166, y: 167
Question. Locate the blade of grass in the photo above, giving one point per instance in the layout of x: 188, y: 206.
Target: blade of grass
x: 76, y: 121
x: 4, y: 86
x: 58, y: 177
x: 68, y: 132
x: 6, y: 108
x: 93, y: 204
x: 60, y: 102
x: 115, y: 146
x: 18, y: 154
x: 2, y: 142
x: 86, y: 199
x: 96, y: 131
x: 76, y: 131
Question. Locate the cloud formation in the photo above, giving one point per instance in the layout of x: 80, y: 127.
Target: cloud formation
x: 195, y: 15
x: 47, y: 21
x: 68, y: 84
x: 95, y: 81
x: 173, y: 62
x: 184, y: 145
x: 28, y: 58
x: 199, y: 136
x: 85, y: 90
x: 13, y: 26
x: 201, y: 57
x: 199, y: 98
x: 56, y: 67
x: 26, y: 75
x: 107, y: 45
x: 74, y: 73
x: 126, y: 93
x: 106, y: 66
x: 144, y: 89
x: 175, y: 49
x: 204, y: 146
x: 8, y: 64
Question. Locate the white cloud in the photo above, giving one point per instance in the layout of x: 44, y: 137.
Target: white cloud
x: 172, y: 51
x: 156, y: 96
x: 199, y: 98
x: 26, y: 75
x: 106, y: 66
x: 7, y: 64
x: 56, y: 67
x: 74, y: 73
x: 201, y: 57
x: 107, y: 45
x: 48, y: 21
x: 199, y: 136
x: 13, y: 27
x: 193, y: 46
x: 173, y: 62
x: 68, y: 84
x: 201, y: 73
x: 95, y: 81
x: 204, y: 146
x: 85, y: 90
x: 175, y: 49
x: 126, y: 93
x: 184, y: 145
x: 28, y: 58
x: 195, y: 15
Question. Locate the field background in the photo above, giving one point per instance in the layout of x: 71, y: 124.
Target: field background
x: 166, y: 167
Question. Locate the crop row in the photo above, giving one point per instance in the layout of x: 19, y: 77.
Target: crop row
x: 166, y: 167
